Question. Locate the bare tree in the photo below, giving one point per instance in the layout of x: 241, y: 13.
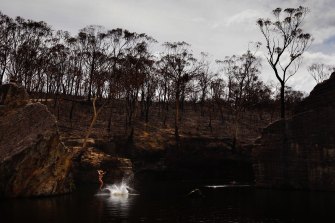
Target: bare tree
x: 204, y: 80
x: 217, y: 91
x: 285, y: 43
x: 134, y: 72
x: 91, y: 40
x: 181, y: 69
x: 7, y: 27
x: 149, y: 88
x: 164, y: 88
x: 243, y: 72
x: 320, y: 71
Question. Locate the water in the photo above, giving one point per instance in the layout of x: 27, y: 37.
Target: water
x: 174, y: 202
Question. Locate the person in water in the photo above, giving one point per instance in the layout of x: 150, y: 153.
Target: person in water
x: 101, y: 174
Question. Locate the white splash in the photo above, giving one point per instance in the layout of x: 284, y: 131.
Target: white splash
x: 118, y: 190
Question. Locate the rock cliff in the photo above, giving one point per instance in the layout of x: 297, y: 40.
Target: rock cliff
x: 299, y: 152
x: 33, y: 161
x: 91, y: 160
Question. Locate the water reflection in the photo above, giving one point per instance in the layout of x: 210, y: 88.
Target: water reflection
x: 168, y: 203
x: 119, y: 205
x: 117, y: 201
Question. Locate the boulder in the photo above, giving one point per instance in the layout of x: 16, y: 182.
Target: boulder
x: 299, y: 152
x: 33, y: 161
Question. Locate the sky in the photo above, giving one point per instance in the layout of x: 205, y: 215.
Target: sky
x: 219, y: 27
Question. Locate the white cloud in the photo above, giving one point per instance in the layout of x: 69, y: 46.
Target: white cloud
x: 302, y: 80
x: 310, y: 57
x: 247, y: 17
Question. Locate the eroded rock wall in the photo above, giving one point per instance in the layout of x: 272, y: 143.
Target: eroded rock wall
x: 300, y: 152
x: 86, y: 166
x: 33, y: 161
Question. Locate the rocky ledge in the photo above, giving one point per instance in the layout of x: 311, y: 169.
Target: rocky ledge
x: 33, y: 161
x: 86, y: 165
x: 299, y: 152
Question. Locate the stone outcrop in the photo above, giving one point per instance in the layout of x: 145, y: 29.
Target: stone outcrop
x: 91, y: 160
x: 33, y: 161
x: 300, y: 152
x: 322, y: 96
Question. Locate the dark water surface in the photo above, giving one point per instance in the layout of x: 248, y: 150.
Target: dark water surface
x: 168, y: 202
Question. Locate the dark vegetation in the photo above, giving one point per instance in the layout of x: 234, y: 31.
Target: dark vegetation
x: 136, y: 87
x: 168, y: 108
x: 149, y: 105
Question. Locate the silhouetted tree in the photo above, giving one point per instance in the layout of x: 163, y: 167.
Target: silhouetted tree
x: 91, y: 40
x: 135, y: 66
x: 217, y: 87
x: 149, y: 88
x: 7, y: 29
x: 29, y: 42
x: 181, y: 69
x: 285, y: 43
x: 204, y: 78
x: 320, y: 71
x: 164, y: 88
x: 242, y: 72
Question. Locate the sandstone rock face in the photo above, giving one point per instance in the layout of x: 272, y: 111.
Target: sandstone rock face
x: 300, y: 152
x: 92, y: 160
x: 33, y: 161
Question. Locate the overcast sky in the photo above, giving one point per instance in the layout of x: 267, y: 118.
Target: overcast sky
x: 219, y: 27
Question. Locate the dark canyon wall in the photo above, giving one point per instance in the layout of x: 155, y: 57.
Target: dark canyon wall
x: 299, y: 152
